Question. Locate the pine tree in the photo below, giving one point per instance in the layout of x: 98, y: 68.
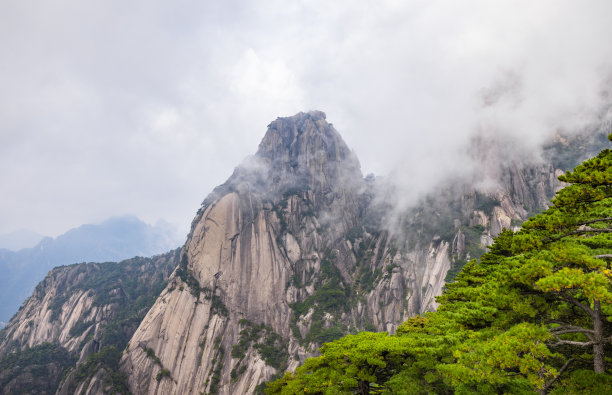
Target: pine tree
x: 572, y: 265
x: 540, y: 300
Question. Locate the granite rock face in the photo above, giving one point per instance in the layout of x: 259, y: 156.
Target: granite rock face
x: 272, y: 220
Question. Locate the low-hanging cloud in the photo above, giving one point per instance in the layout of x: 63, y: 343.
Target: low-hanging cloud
x: 143, y: 107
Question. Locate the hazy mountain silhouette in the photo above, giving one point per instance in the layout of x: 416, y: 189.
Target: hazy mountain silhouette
x: 112, y: 240
x: 19, y: 239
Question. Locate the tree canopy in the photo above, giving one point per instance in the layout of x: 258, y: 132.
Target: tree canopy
x: 533, y: 315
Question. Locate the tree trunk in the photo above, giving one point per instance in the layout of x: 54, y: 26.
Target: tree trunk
x: 598, y: 348
x: 364, y: 387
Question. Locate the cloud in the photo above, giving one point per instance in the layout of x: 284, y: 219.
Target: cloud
x: 143, y: 107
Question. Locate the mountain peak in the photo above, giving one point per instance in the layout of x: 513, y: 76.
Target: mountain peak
x: 287, y: 135
x: 305, y: 149
x: 299, y: 152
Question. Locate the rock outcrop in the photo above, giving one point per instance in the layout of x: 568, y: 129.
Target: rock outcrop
x: 78, y: 311
x: 277, y: 217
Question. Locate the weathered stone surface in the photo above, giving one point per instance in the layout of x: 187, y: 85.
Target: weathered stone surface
x: 248, y: 241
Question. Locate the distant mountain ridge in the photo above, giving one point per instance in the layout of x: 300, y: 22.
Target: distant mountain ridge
x: 19, y: 239
x: 115, y: 239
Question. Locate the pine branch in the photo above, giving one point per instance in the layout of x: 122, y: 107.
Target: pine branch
x: 577, y: 232
x: 572, y: 329
x: 593, y: 230
x: 603, y: 256
x: 551, y: 382
x: 576, y: 303
x: 595, y: 220
x: 561, y: 342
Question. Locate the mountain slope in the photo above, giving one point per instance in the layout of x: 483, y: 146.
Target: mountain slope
x: 246, y: 243
x: 81, y: 314
x: 113, y: 240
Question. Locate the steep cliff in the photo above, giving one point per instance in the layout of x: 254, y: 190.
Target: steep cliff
x: 282, y: 213
x: 75, y: 315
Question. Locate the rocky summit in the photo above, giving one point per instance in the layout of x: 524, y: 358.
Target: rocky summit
x: 292, y: 251
x: 267, y: 241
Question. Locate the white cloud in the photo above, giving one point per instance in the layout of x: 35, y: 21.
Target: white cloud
x: 143, y: 107
x: 255, y: 79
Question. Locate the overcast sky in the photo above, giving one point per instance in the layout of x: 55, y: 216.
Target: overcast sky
x: 142, y: 107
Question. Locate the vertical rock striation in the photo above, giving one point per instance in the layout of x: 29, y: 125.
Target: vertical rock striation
x: 246, y: 244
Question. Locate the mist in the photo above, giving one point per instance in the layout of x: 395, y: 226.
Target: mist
x: 144, y: 107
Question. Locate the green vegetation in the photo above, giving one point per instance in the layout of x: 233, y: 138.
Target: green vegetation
x: 272, y: 348
x: 116, y: 333
x: 354, y: 233
x: 260, y: 389
x: 237, y: 371
x: 454, y: 270
x: 56, y: 305
x: 485, y: 203
x: 218, y: 307
x: 151, y: 354
x: 472, y: 241
x: 186, y: 275
x: 131, y: 286
x: 218, y: 367
x: 332, y: 296
x: 367, y: 277
x: 473, y: 250
x: 534, y: 315
x: 163, y: 373
x: 79, y: 327
x: 40, y: 369
x: 109, y: 358
x: 249, y: 334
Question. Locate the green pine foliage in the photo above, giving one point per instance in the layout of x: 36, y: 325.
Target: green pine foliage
x: 271, y: 347
x: 533, y: 315
x: 36, y: 370
x: 331, y: 296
